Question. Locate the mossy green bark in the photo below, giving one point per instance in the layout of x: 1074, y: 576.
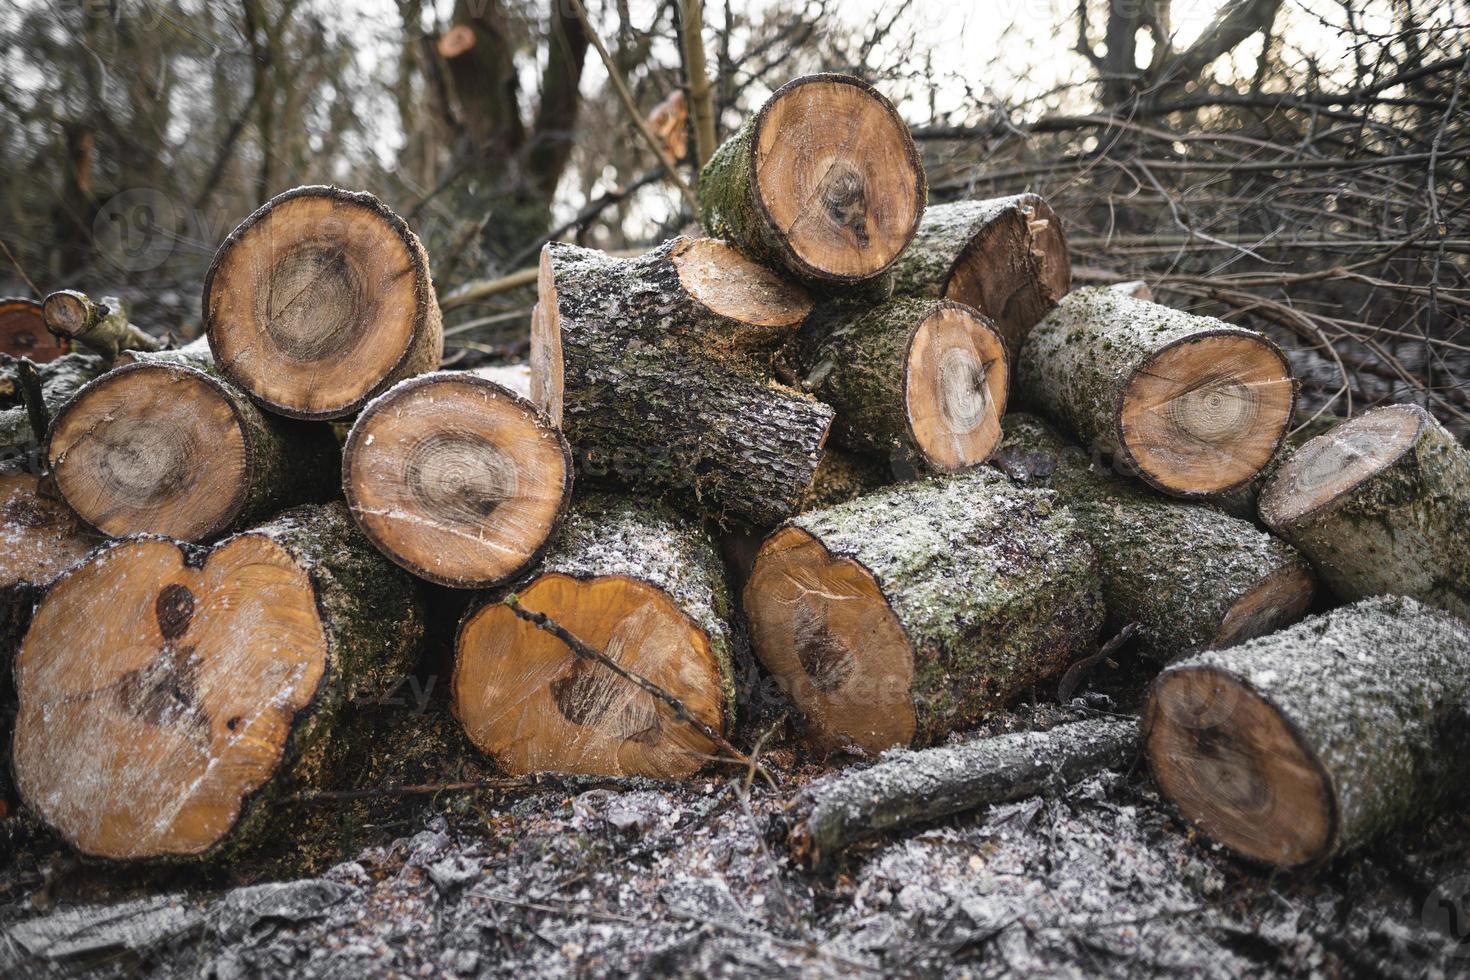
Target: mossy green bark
x: 1173, y: 567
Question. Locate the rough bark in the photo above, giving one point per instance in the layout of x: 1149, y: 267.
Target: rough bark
x: 103, y: 328
x: 1006, y: 256
x: 908, y: 788
x: 1381, y: 505
x: 822, y: 182
x: 60, y: 380
x: 632, y: 369
x: 1302, y: 745
x: 899, y: 616
x: 841, y: 476
x: 23, y: 331
x: 168, y: 729
x: 1192, y: 405
x: 1189, y: 575
x: 646, y: 587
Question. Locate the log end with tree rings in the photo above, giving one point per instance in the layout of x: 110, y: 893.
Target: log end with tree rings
x: 67, y: 313
x: 457, y: 479
x: 531, y: 703
x: 23, y: 332
x: 727, y: 283
x: 1281, y: 598
x: 1204, y: 414
x: 41, y: 537
x: 955, y: 387
x: 319, y: 300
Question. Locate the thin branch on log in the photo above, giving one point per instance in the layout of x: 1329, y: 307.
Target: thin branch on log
x: 31, y: 395
x: 701, y: 94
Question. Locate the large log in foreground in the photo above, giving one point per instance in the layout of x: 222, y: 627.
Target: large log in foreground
x: 167, y: 726
x: 644, y: 586
x: 1192, y: 405
x: 896, y: 617
x: 638, y: 371
x: 822, y: 182
x: 1301, y: 745
x: 917, y: 381
x: 160, y: 447
x: 1381, y: 505
x: 320, y: 300
x: 457, y: 479
x: 23, y: 332
x: 909, y: 788
x: 1006, y: 256
x: 1189, y: 575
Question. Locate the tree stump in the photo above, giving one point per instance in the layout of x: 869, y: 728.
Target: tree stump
x: 23, y: 331
x: 320, y: 300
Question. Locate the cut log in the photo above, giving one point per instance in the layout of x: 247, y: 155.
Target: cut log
x: 644, y: 586
x: 1192, y: 405
x: 920, y: 382
x: 1302, y: 745
x: 101, y: 327
x: 457, y: 479
x: 169, y: 726
x: 642, y: 378
x: 23, y: 332
x: 822, y: 182
x: 1191, y: 576
x: 160, y: 447
x: 41, y: 539
x: 911, y: 788
x: 897, y: 617
x: 1381, y: 505
x: 1006, y: 256
x: 320, y: 300
x: 60, y: 380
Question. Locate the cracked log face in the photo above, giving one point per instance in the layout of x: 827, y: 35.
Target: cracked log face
x: 530, y: 702
x: 23, y: 332
x: 1332, y: 465
x: 456, y: 479
x: 728, y: 284
x: 319, y: 300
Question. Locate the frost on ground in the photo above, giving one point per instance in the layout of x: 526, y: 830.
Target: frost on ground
x: 636, y: 878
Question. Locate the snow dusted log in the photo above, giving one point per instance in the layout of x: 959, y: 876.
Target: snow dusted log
x: 101, y: 327
x: 651, y: 386
x: 909, y: 788
x: 23, y: 332
x: 822, y: 182
x: 320, y: 300
x: 161, y: 447
x: 60, y: 380
x: 1192, y: 405
x: 918, y: 381
x: 1302, y: 745
x: 39, y: 539
x: 1006, y: 256
x: 457, y: 479
x: 899, y: 616
x: 1381, y: 505
x: 1189, y: 575
x: 167, y: 727
x: 514, y: 377
x: 644, y: 586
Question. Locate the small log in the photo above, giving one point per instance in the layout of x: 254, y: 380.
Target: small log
x: 161, y: 447
x: 1191, y: 576
x: 456, y: 479
x: 23, y: 332
x: 653, y: 388
x: 1304, y: 744
x: 171, y: 725
x: 1192, y: 405
x: 1006, y: 256
x: 822, y: 182
x: 899, y: 616
x: 60, y: 380
x: 320, y: 300
x: 644, y: 586
x: 909, y: 788
x: 920, y: 382
x: 1381, y: 506
x: 102, y: 327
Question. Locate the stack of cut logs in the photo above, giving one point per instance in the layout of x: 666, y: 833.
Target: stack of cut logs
x: 777, y: 432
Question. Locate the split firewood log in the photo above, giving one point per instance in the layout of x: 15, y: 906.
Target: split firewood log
x: 903, y: 614
x: 59, y: 380
x: 1381, y: 505
x: 644, y: 586
x: 320, y: 300
x: 642, y: 363
x: 1192, y: 405
x: 457, y: 479
x: 103, y: 327
x: 1191, y: 576
x: 165, y: 445
x: 823, y: 182
x: 1006, y: 256
x: 168, y: 727
x: 23, y: 331
x: 1304, y: 744
x: 917, y: 381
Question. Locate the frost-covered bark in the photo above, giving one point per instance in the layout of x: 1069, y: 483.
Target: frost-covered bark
x: 60, y: 380
x: 907, y: 788
x: 1175, y: 568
